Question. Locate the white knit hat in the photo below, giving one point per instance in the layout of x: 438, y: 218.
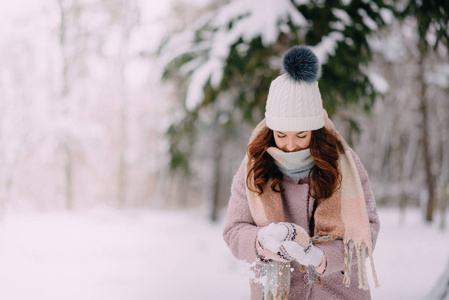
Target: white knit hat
x: 294, y: 100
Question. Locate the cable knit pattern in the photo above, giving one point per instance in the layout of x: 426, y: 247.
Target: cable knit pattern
x: 294, y: 106
x: 289, y: 98
x: 240, y: 234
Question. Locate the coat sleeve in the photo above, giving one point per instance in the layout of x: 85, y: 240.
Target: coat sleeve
x: 240, y: 230
x: 334, y: 250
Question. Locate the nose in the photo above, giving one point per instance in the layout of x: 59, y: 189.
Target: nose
x: 290, y: 146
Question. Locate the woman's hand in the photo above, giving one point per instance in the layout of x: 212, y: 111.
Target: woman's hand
x: 271, y: 236
x: 267, y: 255
x: 294, y: 251
x: 286, y: 242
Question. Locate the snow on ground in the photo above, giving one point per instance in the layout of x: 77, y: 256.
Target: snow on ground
x: 154, y: 255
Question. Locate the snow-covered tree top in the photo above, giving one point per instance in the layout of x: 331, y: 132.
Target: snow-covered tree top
x: 205, y: 46
x: 256, y: 18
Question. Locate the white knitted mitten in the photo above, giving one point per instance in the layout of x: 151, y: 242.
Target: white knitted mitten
x: 294, y: 251
x: 274, y: 234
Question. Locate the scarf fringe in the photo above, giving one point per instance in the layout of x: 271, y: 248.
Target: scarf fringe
x: 370, y: 252
x: 361, y: 250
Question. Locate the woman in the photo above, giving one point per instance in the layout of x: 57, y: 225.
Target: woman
x: 301, y: 209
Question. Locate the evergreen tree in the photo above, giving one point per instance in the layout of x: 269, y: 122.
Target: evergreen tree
x: 432, y: 19
x: 226, y: 61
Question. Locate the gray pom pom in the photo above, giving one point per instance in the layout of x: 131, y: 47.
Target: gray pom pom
x: 301, y: 64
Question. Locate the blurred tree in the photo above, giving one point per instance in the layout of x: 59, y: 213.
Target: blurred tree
x: 66, y: 144
x: 224, y: 63
x: 432, y: 19
x: 80, y: 42
x: 128, y: 18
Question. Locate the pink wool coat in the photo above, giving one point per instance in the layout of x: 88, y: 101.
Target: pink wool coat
x: 240, y: 234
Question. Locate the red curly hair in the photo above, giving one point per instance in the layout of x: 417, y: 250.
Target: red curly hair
x: 325, y: 149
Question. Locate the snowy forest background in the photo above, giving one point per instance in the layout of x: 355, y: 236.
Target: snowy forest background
x: 121, y: 121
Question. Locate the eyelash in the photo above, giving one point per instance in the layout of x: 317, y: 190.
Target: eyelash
x: 281, y: 137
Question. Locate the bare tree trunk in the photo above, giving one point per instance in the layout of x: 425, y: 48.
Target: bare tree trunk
x: 218, y: 153
x: 402, y: 199
x: 64, y: 92
x: 183, y: 191
x: 443, y: 177
x: 122, y: 168
x: 6, y: 190
x: 129, y: 18
x: 431, y: 203
x: 68, y: 177
x: 62, y: 42
x: 443, y: 208
x: 161, y: 194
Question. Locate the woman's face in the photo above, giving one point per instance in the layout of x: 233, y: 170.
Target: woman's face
x: 291, y: 141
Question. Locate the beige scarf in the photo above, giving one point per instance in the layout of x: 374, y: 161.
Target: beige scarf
x: 343, y: 215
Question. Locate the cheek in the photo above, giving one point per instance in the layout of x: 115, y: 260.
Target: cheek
x: 305, y: 143
x: 279, y: 142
